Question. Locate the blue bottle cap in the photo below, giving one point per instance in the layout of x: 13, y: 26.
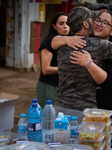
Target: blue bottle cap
x: 23, y: 115
x: 34, y: 100
x: 48, y: 102
x: 74, y: 118
x: 34, y: 104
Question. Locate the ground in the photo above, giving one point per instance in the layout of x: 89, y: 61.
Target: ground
x: 22, y: 84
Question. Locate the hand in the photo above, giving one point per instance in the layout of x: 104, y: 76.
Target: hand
x: 80, y: 58
x: 75, y: 42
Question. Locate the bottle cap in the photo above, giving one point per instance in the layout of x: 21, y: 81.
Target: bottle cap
x: 23, y: 115
x: 34, y: 100
x: 48, y: 102
x: 34, y: 104
x: 74, y: 118
x: 60, y: 114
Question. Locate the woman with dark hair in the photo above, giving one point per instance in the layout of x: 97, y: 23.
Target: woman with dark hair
x: 48, y: 80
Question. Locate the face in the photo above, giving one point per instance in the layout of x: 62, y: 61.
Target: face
x: 61, y: 25
x: 103, y: 29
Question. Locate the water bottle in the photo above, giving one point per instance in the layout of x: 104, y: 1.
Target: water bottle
x: 74, y: 130
x: 23, y: 127
x: 34, y: 116
x: 48, y: 122
x: 34, y: 101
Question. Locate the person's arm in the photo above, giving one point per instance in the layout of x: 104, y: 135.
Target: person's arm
x: 82, y: 59
x: 46, y: 57
x: 71, y: 41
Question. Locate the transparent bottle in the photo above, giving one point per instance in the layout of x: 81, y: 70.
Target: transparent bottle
x: 48, y: 122
x: 23, y: 127
x: 34, y: 101
x: 74, y: 130
x: 34, y: 116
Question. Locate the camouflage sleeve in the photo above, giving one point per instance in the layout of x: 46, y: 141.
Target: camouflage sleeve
x: 105, y: 48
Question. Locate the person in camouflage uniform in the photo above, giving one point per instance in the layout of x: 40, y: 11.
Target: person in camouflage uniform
x: 76, y: 88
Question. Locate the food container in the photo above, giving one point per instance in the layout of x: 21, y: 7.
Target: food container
x: 79, y: 147
x: 108, y: 144
x: 26, y: 146
x: 97, y: 115
x: 107, y: 135
x: 92, y: 131
x: 6, y: 137
x: 61, y: 147
x: 107, y: 126
x: 95, y: 145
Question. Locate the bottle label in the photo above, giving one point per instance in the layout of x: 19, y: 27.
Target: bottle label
x: 22, y: 128
x: 47, y: 138
x: 34, y: 126
x: 73, y: 131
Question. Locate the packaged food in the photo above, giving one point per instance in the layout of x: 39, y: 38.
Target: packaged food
x: 107, y: 126
x: 61, y: 147
x: 6, y: 137
x: 26, y: 146
x: 107, y: 135
x: 97, y: 115
x: 92, y: 131
x: 94, y: 145
x: 79, y: 147
x: 108, y: 144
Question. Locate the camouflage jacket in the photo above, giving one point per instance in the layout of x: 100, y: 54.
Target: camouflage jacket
x: 76, y: 88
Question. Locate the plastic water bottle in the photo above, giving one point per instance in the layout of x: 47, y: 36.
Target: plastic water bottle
x: 34, y: 101
x: 23, y: 127
x: 48, y: 122
x: 74, y: 130
x: 34, y: 116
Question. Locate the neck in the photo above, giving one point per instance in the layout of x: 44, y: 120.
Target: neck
x: 83, y: 32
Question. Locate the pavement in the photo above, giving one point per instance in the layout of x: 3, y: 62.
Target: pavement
x: 6, y: 73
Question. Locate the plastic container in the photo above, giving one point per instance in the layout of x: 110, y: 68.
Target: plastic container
x: 74, y: 130
x: 61, y: 147
x: 79, y: 147
x: 107, y: 135
x: 108, y: 144
x: 34, y: 101
x: 48, y: 120
x: 6, y: 137
x: 23, y: 127
x: 107, y: 125
x: 92, y: 131
x: 97, y: 115
x: 34, y: 116
x: 95, y: 145
x: 62, y: 129
x: 26, y: 146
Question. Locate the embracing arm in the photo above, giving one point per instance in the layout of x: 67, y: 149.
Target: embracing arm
x: 82, y: 59
x: 71, y: 41
x: 46, y: 57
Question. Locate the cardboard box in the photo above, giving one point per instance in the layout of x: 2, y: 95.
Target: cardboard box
x: 7, y: 106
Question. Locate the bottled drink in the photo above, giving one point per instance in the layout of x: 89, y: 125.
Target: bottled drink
x: 34, y: 116
x: 23, y: 127
x: 48, y: 120
x: 34, y: 101
x: 74, y: 130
